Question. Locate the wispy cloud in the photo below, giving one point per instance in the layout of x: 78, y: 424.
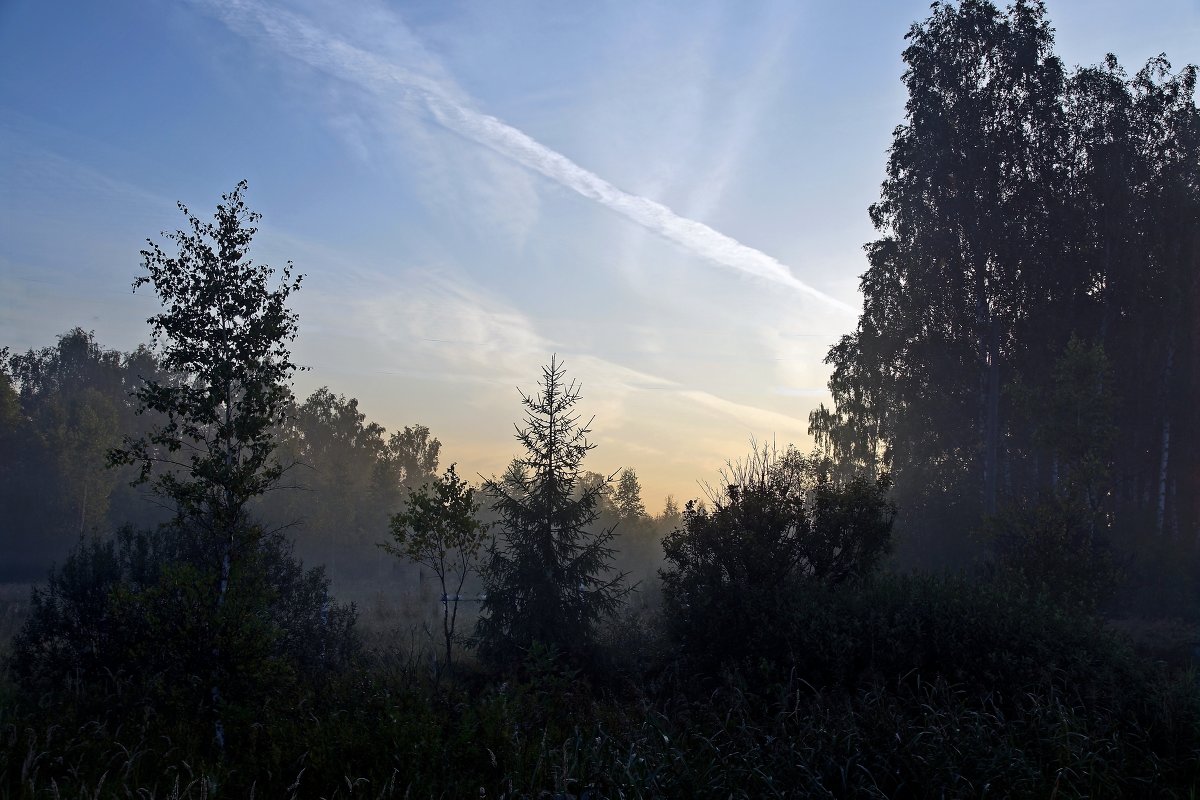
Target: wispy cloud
x: 295, y: 36
x: 432, y: 321
x: 755, y: 94
x: 437, y: 324
x: 754, y: 420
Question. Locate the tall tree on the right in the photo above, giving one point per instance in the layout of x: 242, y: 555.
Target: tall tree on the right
x: 1131, y: 276
x: 1021, y: 206
x: 964, y: 217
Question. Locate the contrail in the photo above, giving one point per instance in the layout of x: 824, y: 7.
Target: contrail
x: 292, y: 35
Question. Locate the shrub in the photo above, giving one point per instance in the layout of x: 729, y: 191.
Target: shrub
x: 990, y: 637
x: 134, y: 616
x: 731, y: 570
x: 1051, y: 547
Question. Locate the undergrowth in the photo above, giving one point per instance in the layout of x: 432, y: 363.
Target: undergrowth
x: 903, y: 688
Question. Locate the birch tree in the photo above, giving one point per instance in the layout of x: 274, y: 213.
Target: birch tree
x: 438, y: 529
x: 224, y: 335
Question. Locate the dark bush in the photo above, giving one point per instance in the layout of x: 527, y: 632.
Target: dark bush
x: 134, y: 616
x: 991, y: 637
x: 731, y: 570
x: 1051, y: 546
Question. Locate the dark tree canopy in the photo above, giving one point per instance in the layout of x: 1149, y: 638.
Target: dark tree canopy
x: 61, y: 409
x: 1024, y: 206
x: 349, y: 478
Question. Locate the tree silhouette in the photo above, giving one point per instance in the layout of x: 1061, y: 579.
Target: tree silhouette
x: 628, y: 497
x: 548, y: 579
x: 438, y: 528
x: 1023, y: 206
x: 224, y: 336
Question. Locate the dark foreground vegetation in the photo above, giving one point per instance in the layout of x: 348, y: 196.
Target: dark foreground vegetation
x: 901, y: 687
x: 985, y: 583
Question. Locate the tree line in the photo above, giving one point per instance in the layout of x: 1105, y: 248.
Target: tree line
x: 64, y: 406
x: 1029, y: 339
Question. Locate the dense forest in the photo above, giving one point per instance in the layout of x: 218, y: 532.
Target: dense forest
x: 984, y: 580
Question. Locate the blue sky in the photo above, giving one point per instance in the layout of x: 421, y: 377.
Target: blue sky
x: 671, y: 196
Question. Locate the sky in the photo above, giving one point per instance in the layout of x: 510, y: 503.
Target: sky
x: 670, y: 196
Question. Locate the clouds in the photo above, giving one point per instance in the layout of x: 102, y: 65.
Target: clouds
x: 654, y: 390
x: 450, y: 339
x: 416, y: 86
x: 447, y: 253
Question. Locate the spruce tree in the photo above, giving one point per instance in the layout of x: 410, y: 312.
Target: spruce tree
x: 549, y: 579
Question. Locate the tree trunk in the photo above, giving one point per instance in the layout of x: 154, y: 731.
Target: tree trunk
x: 222, y: 590
x: 1164, y: 461
x: 1163, y: 469
x: 228, y: 529
x: 449, y: 622
x: 83, y: 509
x: 992, y: 420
